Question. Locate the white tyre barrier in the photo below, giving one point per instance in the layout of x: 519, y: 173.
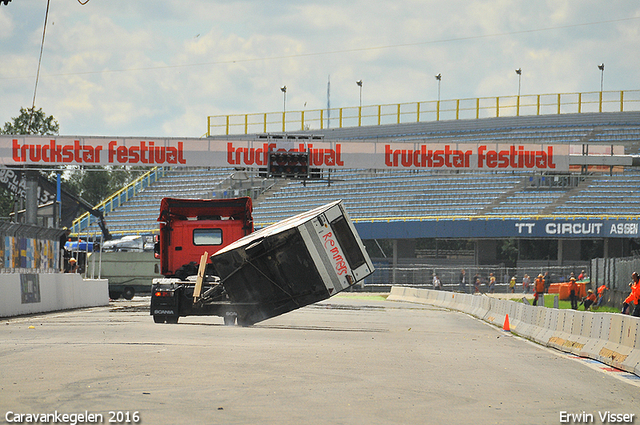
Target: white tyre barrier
x: 610, y: 338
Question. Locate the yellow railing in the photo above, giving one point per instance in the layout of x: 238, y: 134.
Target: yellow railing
x: 471, y: 108
x: 115, y: 200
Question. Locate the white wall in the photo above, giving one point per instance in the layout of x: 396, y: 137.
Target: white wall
x: 58, y: 291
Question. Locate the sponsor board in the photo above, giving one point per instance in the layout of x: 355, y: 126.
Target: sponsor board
x: 62, y: 150
x: 499, y: 228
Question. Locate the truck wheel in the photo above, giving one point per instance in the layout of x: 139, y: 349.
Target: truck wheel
x: 114, y: 295
x: 229, y: 320
x: 158, y: 319
x: 128, y: 293
x: 172, y: 319
x: 243, y: 321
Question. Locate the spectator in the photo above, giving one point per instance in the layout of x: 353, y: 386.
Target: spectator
x: 547, y: 281
x: 437, y: 285
x: 589, y: 300
x: 601, y: 291
x: 573, y: 293
x: 581, y: 275
x: 476, y: 283
x: 634, y: 296
x: 526, y: 282
x: 512, y: 284
x: 492, y: 283
x: 539, y: 288
x: 463, y: 281
x: 72, y: 266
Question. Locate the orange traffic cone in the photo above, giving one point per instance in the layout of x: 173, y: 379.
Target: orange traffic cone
x: 505, y: 327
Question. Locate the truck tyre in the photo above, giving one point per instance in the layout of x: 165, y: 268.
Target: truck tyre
x: 128, y: 293
x: 114, y: 295
x: 158, y: 318
x: 172, y: 319
x: 243, y: 321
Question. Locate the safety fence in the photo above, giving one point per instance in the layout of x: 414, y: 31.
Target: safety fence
x: 420, y: 275
x: 434, y: 110
x: 29, y: 249
x: 615, y: 273
x: 610, y: 338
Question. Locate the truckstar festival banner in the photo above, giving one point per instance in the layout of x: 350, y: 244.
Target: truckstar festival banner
x: 62, y: 150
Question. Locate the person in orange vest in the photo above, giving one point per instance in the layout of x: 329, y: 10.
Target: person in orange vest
x: 539, y: 287
x: 634, y: 296
x: 573, y: 293
x: 601, y: 291
x: 589, y: 300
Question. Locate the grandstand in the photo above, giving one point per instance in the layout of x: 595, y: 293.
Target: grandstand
x: 403, y: 205
x: 410, y: 194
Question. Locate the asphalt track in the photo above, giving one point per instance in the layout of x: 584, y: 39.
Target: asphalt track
x: 347, y: 360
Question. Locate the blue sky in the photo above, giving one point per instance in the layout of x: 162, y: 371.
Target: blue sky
x: 158, y: 68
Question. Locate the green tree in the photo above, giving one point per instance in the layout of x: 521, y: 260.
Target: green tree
x: 508, y: 252
x: 31, y: 121
x: 94, y: 183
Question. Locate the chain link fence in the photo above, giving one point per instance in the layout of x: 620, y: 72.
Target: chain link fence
x: 421, y: 275
x: 614, y: 273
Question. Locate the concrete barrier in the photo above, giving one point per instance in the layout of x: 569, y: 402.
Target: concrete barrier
x: 39, y: 293
x: 613, y: 339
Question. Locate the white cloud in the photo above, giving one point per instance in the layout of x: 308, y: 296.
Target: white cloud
x: 6, y: 24
x: 159, y: 68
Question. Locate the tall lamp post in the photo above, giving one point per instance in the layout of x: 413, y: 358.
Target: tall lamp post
x: 601, y: 68
x: 439, y: 78
x: 359, y: 83
x: 519, y: 72
x: 283, y: 89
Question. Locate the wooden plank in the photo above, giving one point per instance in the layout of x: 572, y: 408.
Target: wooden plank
x: 200, y: 278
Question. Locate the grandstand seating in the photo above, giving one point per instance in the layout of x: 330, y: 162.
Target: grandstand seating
x: 406, y: 194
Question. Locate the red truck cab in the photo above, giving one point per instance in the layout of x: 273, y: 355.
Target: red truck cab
x: 189, y: 227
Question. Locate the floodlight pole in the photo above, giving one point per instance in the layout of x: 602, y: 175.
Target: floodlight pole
x: 601, y: 68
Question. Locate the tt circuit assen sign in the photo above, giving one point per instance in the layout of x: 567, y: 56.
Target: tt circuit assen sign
x: 62, y: 150
x: 508, y: 228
